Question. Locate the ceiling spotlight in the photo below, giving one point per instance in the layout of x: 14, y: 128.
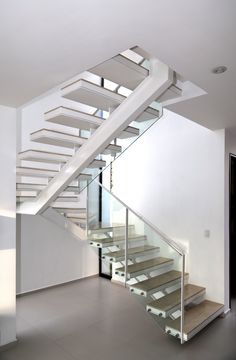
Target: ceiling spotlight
x: 219, y: 70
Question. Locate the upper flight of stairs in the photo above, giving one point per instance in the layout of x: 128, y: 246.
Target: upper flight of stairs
x: 150, y: 271
x: 98, y: 99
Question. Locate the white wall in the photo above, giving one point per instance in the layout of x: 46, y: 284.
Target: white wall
x: 7, y: 224
x: 174, y: 177
x: 48, y: 255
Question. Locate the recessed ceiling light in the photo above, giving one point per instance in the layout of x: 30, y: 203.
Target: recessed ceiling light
x: 219, y: 69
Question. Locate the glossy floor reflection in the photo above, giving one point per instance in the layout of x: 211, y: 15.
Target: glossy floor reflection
x: 94, y: 319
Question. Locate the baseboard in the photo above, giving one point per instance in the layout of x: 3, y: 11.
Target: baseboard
x: 8, y: 346
x: 55, y: 285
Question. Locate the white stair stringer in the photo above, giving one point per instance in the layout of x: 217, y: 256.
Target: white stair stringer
x: 159, y: 79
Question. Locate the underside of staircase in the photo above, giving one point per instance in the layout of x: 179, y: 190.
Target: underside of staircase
x: 124, y: 97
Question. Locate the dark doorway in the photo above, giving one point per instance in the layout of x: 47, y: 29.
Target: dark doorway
x: 232, y: 227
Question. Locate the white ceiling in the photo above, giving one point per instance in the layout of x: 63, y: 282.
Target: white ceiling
x: 44, y: 43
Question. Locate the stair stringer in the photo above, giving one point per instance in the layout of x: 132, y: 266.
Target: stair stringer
x: 159, y: 79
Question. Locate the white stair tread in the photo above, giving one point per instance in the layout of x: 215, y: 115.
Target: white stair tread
x: 135, y: 251
x: 94, y: 95
x: 74, y: 215
x: 144, y: 266
x: 196, y: 317
x: 64, y: 198
x: 30, y: 187
x: 107, y: 242
x: 169, y: 302
x: 29, y: 193
x: 25, y: 198
x: 61, y: 139
x: 81, y: 177
x: 78, y: 220
x: 43, y: 156
x: 44, y: 173
x: 39, y: 172
x: 97, y: 164
x: 73, y: 118
x: 34, y: 193
x: 122, y: 71
x: 78, y: 119
x: 31, y: 181
x: 57, y: 138
x: 66, y: 207
x: 156, y: 283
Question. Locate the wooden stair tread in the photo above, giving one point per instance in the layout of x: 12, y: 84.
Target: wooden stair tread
x: 173, y: 299
x: 108, y: 228
x: 114, y: 240
x: 131, y: 251
x: 158, y: 281
x: 118, y: 238
x: 196, y: 315
x: 144, y: 265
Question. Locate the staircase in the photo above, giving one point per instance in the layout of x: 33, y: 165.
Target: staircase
x: 124, y: 98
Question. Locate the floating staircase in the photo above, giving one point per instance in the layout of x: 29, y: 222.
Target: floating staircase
x: 123, y: 96
x: 156, y: 281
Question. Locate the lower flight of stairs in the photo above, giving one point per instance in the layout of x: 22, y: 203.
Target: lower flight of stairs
x: 155, y: 279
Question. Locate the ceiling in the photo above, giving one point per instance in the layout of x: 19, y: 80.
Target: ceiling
x: 44, y: 43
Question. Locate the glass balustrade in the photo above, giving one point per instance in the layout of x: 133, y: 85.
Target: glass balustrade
x: 135, y: 253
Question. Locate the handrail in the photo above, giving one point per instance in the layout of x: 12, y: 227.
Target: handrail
x: 169, y: 241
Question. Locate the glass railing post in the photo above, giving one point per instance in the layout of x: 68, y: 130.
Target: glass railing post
x: 182, y: 300
x: 126, y: 242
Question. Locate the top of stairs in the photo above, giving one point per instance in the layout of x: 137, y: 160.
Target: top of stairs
x: 122, y: 71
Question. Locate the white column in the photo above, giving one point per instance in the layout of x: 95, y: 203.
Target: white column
x: 7, y: 225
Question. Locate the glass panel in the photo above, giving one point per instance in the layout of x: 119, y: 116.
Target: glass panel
x: 154, y: 271
x: 106, y: 227
x: 153, y: 261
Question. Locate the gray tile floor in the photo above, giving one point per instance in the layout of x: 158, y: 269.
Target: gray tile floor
x: 94, y: 319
